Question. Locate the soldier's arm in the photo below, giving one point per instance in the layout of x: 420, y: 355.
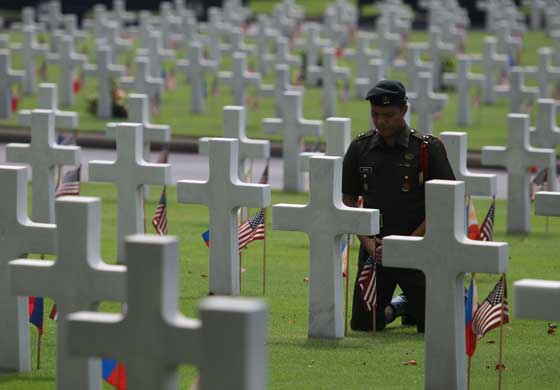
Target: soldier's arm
x: 439, y: 166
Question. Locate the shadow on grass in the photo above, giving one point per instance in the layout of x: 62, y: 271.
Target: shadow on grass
x: 13, y: 377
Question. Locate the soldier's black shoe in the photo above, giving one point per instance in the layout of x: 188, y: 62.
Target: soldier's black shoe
x: 396, y: 309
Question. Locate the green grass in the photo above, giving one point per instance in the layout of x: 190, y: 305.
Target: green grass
x: 358, y: 361
x: 488, y: 127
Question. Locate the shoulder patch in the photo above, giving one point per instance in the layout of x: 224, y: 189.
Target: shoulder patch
x: 366, y: 134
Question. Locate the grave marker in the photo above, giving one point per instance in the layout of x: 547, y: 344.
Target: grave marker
x: 426, y: 103
x: 463, y: 80
x: 8, y: 77
x: 239, y: 79
x: 48, y: 101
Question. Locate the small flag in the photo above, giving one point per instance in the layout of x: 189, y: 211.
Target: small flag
x: 66, y: 139
x: 487, y: 228
x: 76, y: 84
x: 159, y: 221
x: 470, y: 308
x: 539, y: 183
x: 114, y: 373
x: 344, y: 257
x: 53, y: 315
x: 251, y: 230
x: 36, y: 312
x: 70, y: 183
x: 473, y: 231
x: 264, y: 176
x: 206, y: 237
x: 15, y: 100
x: 368, y: 284
x: 490, y: 313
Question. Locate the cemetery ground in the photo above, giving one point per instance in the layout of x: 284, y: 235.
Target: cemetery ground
x: 488, y: 127
x: 531, y: 354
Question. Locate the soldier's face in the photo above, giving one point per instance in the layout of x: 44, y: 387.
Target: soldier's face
x: 388, y: 120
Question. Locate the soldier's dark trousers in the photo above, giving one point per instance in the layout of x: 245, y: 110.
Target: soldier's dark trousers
x: 413, y: 284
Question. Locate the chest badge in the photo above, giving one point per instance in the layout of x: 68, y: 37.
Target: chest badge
x: 406, y: 184
x: 409, y: 156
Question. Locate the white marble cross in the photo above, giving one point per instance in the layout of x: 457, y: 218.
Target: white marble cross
x: 224, y: 193
x: 339, y: 136
x: 156, y: 53
x: 476, y: 184
x: 519, y: 94
x: 43, y: 155
x: 68, y: 61
x: 362, y: 54
x: 18, y: 236
x: 426, y: 102
x: 325, y: 219
x: 8, y: 77
x: 444, y: 255
x: 129, y: 173
x: 239, y: 79
x: 537, y: 299
x: 545, y: 134
x: 293, y: 128
x: 491, y: 61
x: 48, y: 101
x: 195, y: 69
x: 312, y: 45
x: 283, y: 55
x: 438, y: 51
x: 77, y: 280
x: 330, y: 74
x: 546, y: 74
x: 104, y: 72
x: 234, y: 123
x: 237, y: 42
x: 506, y: 42
x: 29, y: 49
x: 463, y: 80
x: 143, y: 83
x: 53, y: 15
x: 547, y: 203
x: 153, y: 337
x: 413, y: 65
x: 281, y: 85
x: 263, y: 35
x: 376, y: 73
x: 517, y: 158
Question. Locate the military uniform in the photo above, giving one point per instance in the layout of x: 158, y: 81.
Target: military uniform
x: 390, y: 179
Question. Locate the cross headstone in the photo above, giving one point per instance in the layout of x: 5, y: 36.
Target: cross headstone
x: 43, y: 155
x: 237, y: 351
x: 425, y: 102
x: 68, y: 61
x: 53, y: 17
x: 263, y: 35
x: 312, y: 46
x: 444, y: 255
x: 143, y: 82
x: 293, y: 128
x: 234, y: 123
x: 283, y: 55
x: 517, y: 157
x: 281, y: 85
x: 325, y: 219
x: 545, y: 134
x: 77, y: 280
x: 413, y: 65
x: 330, y: 74
x: 339, y: 134
x: 8, y: 77
x: 195, y: 69
x: 491, y: 61
x: 48, y: 101
x: 30, y: 50
x: 105, y: 73
x: 438, y: 51
x: 156, y: 53
x: 476, y: 184
x: 129, y: 173
x: 546, y: 73
x: 239, y: 79
x: 506, y: 43
x: 376, y: 73
x: 547, y: 203
x: 115, y: 42
x: 463, y: 80
x: 362, y: 54
x: 18, y: 236
x: 237, y: 42
x: 224, y: 194
x: 519, y: 94
x: 537, y: 299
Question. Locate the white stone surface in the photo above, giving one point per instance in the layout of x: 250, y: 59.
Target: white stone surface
x: 476, y: 184
x: 129, y: 172
x: 376, y: 73
x: 537, y: 299
x: 68, y: 61
x: 48, y: 100
x: 143, y: 82
x: 156, y: 53
x: 492, y: 62
x: 77, y: 280
x: 281, y: 85
x: 547, y: 203
x: 546, y: 134
x: 520, y: 95
x: 229, y: 338
x: 547, y: 74
x: 18, y: 236
x: 30, y: 50
x: 312, y: 46
x: 43, y: 155
x: 330, y: 73
x: 338, y: 140
x: 239, y: 79
x: 325, y: 219
x: 8, y: 77
x: 444, y: 255
x: 517, y: 157
x: 283, y: 55
x: 413, y: 65
x: 426, y: 103
x: 438, y: 50
x: 463, y: 80
x: 195, y: 68
x: 293, y: 128
x: 224, y: 194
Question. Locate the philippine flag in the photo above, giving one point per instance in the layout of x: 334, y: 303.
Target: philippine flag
x: 114, y: 373
x: 206, y: 238
x: 470, y: 308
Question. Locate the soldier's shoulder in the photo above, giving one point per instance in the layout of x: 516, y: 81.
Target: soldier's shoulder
x: 365, y: 135
x: 423, y: 137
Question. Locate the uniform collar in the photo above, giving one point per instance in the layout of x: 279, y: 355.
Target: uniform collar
x: 402, y: 140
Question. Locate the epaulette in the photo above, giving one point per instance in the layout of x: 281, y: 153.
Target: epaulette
x: 421, y: 136
x: 366, y: 134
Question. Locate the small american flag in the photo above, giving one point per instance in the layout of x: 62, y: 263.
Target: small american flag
x: 251, y: 230
x: 491, y: 313
x: 70, y: 183
x: 368, y: 284
x: 163, y: 156
x: 160, y: 215
x: 487, y: 228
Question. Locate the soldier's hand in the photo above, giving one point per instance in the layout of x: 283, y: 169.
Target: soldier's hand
x: 379, y: 253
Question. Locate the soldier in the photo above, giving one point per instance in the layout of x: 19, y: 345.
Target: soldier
x: 388, y: 166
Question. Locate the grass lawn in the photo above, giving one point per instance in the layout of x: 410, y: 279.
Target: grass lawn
x: 488, y: 127
x: 359, y: 361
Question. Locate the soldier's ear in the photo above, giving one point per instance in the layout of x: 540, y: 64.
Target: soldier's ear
x: 404, y: 109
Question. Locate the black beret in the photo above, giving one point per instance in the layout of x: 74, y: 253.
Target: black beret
x: 387, y: 93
